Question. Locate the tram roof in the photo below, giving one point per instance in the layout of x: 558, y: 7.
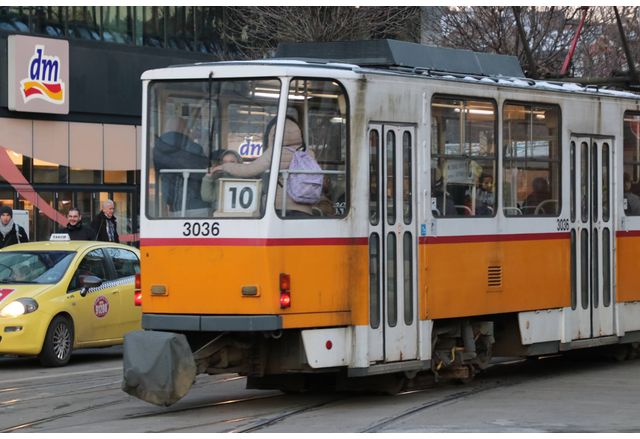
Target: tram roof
x: 395, y: 58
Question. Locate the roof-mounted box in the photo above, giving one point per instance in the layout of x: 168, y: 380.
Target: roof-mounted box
x: 393, y: 53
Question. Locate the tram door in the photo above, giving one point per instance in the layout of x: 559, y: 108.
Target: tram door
x: 393, y: 333
x: 592, y: 237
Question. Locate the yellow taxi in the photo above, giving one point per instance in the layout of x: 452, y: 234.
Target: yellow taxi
x: 57, y: 296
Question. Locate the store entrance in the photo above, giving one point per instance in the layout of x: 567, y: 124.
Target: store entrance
x: 42, y: 223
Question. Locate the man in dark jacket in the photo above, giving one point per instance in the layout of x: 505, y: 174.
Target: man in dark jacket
x: 75, y: 229
x: 176, y: 151
x: 104, y: 224
x: 10, y: 232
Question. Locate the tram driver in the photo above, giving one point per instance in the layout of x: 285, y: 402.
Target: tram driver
x: 176, y: 153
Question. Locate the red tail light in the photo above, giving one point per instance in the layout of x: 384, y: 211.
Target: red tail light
x: 137, y: 293
x: 285, y: 291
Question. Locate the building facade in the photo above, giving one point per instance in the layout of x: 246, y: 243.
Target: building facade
x: 70, y: 103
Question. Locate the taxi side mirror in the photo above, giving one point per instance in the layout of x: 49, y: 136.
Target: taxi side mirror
x: 87, y: 282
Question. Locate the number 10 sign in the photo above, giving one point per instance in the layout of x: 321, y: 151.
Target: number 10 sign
x: 238, y: 197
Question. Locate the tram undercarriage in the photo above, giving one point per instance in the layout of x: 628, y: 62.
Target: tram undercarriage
x: 161, y: 366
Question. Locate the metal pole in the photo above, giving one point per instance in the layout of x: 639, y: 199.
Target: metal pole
x: 574, y: 43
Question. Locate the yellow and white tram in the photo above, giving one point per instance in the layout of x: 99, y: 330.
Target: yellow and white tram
x: 463, y: 214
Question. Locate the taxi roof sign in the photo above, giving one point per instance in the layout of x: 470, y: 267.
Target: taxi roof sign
x: 59, y: 237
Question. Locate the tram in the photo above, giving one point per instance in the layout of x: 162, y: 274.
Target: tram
x: 466, y: 212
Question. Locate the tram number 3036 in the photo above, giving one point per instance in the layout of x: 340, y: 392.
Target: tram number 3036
x: 201, y: 229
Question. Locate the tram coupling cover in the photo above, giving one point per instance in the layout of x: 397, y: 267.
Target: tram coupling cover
x: 158, y: 367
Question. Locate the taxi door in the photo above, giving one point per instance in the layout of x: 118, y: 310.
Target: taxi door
x: 97, y: 314
x: 126, y: 264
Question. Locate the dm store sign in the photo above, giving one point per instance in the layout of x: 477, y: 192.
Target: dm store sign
x: 38, y: 74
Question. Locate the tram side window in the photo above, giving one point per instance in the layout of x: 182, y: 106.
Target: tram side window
x: 531, y: 136
x: 631, y: 177
x: 463, y: 157
x: 319, y: 108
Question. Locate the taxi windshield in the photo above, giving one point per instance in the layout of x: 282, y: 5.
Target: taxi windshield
x: 34, y: 267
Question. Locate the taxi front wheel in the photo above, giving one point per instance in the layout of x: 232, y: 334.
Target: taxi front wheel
x: 58, y: 343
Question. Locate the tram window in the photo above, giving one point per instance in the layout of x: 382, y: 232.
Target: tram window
x: 631, y: 154
x: 572, y: 185
x: 531, y: 136
x: 584, y: 182
x: 390, y: 146
x: 407, y: 182
x: 463, y: 152
x: 374, y: 177
x: 605, y: 182
x: 391, y: 265
x: 320, y: 108
x: 595, y: 267
x: 374, y: 280
x: 407, y: 270
x: 190, y: 123
x: 584, y: 268
x: 606, y: 268
x: 594, y: 182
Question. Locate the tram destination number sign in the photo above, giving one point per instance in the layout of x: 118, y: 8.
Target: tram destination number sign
x: 238, y: 197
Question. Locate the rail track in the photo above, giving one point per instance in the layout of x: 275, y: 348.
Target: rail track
x: 221, y: 404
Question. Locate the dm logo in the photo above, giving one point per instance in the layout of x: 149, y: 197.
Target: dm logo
x: 44, y: 79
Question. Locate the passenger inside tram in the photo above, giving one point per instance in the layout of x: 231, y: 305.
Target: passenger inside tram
x: 292, y: 140
x: 209, y: 186
x: 631, y: 200
x: 326, y: 206
x: 442, y: 203
x: 482, y: 201
x: 538, y: 198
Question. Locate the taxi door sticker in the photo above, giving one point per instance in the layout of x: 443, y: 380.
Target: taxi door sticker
x: 101, y: 306
x: 4, y: 292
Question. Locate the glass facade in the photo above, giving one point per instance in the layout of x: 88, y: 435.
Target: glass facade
x: 52, y: 166
x: 57, y: 188
x: 188, y: 28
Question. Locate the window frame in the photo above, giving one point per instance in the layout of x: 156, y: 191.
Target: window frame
x: 347, y: 146
x: 635, y: 162
x: 531, y: 105
x: 493, y: 157
x: 151, y: 128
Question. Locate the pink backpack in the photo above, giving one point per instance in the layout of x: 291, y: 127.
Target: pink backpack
x: 304, y: 188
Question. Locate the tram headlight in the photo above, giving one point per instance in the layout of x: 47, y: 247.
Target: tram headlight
x: 285, y: 291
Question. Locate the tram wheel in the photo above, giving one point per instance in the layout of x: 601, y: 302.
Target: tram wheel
x: 471, y: 373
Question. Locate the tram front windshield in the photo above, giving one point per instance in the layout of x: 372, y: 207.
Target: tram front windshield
x: 194, y: 126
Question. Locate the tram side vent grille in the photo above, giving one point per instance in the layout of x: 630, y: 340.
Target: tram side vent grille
x: 494, y: 276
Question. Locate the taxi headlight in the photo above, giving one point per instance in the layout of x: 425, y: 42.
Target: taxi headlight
x: 19, y: 307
